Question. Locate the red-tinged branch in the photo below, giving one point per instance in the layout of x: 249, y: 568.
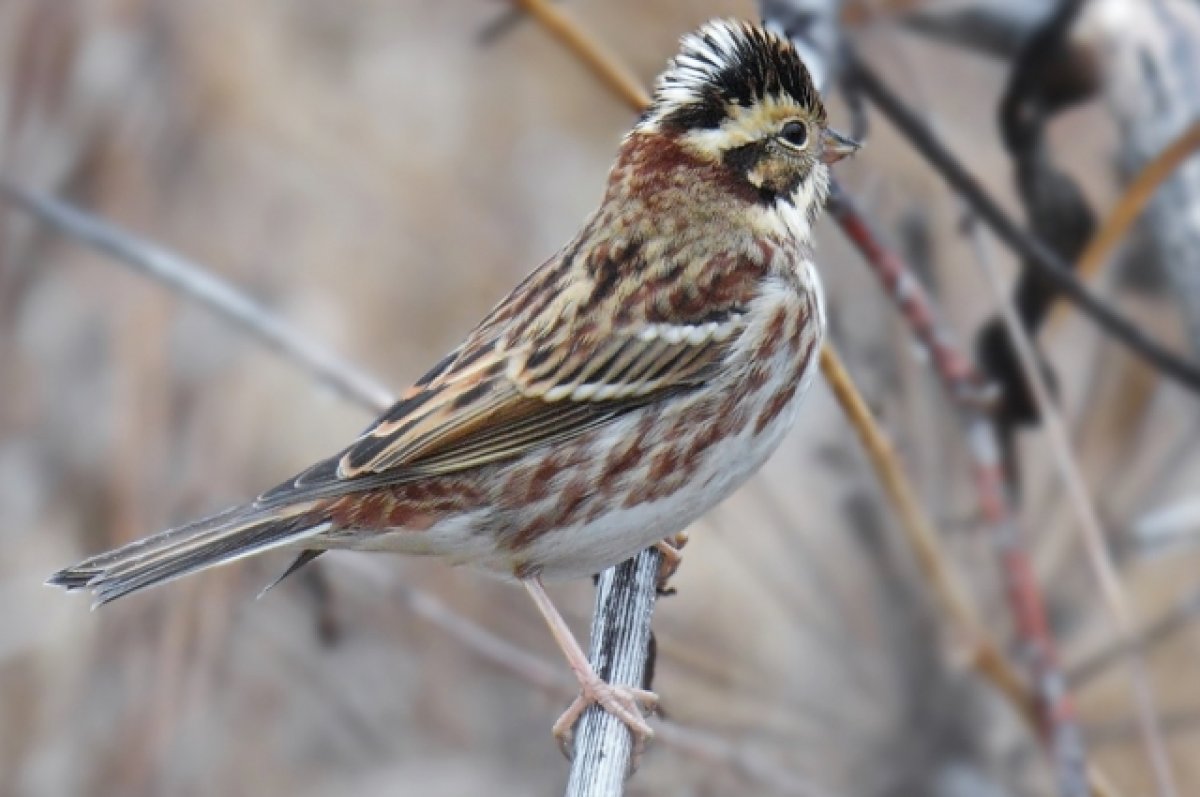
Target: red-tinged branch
x: 958, y: 373
x: 1053, y: 710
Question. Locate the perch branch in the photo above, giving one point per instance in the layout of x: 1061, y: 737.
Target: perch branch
x: 620, y: 650
x: 199, y: 284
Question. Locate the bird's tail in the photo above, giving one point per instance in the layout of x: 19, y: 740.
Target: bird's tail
x: 226, y: 537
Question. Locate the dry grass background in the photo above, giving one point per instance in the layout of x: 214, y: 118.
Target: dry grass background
x: 377, y: 176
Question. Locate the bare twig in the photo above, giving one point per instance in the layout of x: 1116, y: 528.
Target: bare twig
x: 985, y: 657
x: 1049, y: 706
x: 1133, y: 201
x: 1095, y: 541
x: 204, y: 287
x: 958, y: 374
x: 1177, y: 617
x: 589, y: 50
x: 1149, y: 77
x: 1030, y: 249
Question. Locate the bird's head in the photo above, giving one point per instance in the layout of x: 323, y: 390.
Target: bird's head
x: 739, y: 97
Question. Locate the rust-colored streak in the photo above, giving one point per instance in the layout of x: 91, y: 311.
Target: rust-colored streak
x: 756, y: 378
x: 542, y: 477
x: 780, y: 399
x: 774, y: 406
x: 772, y: 336
x: 571, y: 500
x: 532, y: 530
x: 664, y: 465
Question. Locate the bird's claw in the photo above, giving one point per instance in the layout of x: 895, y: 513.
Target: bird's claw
x: 626, y: 703
x: 671, y: 550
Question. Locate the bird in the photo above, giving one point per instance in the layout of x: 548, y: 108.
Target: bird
x: 622, y: 389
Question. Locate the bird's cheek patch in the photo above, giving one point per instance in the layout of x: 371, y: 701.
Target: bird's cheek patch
x: 746, y: 159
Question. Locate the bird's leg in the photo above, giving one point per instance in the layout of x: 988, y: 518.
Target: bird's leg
x: 623, y: 702
x: 672, y: 554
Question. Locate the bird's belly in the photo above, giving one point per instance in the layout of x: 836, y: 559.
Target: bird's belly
x: 673, y: 484
x: 621, y: 531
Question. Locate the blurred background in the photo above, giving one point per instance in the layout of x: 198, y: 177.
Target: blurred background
x: 380, y: 173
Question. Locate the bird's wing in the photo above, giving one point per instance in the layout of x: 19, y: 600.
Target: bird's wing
x: 563, y: 354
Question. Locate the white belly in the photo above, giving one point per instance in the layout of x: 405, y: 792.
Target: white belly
x: 583, y: 550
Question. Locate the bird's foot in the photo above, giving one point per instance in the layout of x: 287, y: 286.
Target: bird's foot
x: 671, y: 549
x: 623, y: 702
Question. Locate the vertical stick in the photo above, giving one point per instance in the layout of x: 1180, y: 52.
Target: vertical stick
x: 620, y: 647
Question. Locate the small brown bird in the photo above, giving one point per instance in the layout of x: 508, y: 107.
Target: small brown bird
x: 622, y: 389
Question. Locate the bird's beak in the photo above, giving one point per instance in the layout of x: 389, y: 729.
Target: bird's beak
x: 835, y: 146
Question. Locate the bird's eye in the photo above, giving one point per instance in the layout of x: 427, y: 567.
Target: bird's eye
x: 795, y: 134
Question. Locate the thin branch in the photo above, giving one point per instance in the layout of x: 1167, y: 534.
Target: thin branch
x: 1132, y: 203
x: 1048, y: 707
x: 204, y: 287
x: 1033, y: 251
x: 196, y: 283
x: 1176, y: 618
x: 1094, y: 538
x: 1148, y: 61
x: 986, y: 657
x: 958, y: 373
x: 596, y: 56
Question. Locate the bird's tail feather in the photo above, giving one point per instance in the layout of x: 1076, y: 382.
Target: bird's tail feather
x: 216, y: 540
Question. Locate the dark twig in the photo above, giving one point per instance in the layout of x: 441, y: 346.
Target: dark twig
x: 1028, y: 248
x: 1048, y: 76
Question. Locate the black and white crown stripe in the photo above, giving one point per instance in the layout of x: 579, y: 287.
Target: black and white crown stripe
x: 729, y: 63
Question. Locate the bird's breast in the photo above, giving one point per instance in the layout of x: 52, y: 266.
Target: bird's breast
x: 602, y: 497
